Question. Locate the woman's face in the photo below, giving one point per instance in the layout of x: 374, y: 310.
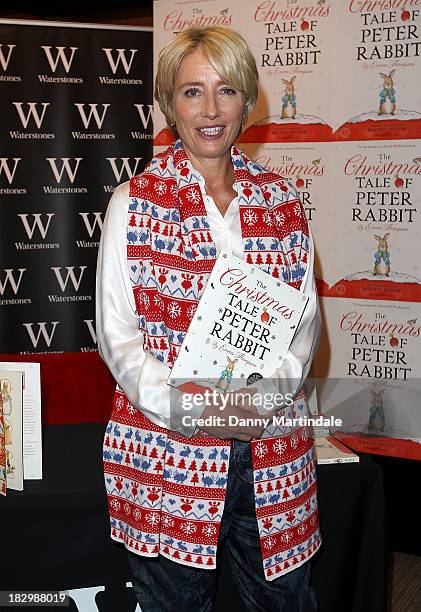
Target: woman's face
x: 207, y: 111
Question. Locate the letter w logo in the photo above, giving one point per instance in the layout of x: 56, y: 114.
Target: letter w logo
x: 42, y: 330
x: 65, y: 166
x: 86, y: 119
x: 4, y: 167
x: 60, y: 57
x: 70, y: 274
x: 121, y: 57
x: 4, y: 61
x: 90, y: 325
x: 97, y: 222
x: 32, y: 112
x: 124, y: 166
x: 37, y: 222
x: 145, y: 119
x: 10, y: 279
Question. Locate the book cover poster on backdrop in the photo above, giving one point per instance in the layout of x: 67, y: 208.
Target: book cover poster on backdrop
x: 377, y: 78
x: 339, y: 113
x: 371, y: 350
x: 376, y: 235
x: 76, y: 107
x: 292, y: 44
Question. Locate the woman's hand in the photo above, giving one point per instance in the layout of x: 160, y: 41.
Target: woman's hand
x: 226, y: 422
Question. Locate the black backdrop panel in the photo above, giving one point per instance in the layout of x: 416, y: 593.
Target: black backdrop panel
x: 75, y: 121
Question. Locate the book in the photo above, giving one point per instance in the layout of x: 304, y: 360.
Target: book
x: 3, y: 480
x: 11, y: 386
x: 31, y: 416
x: 242, y: 328
x: 329, y: 450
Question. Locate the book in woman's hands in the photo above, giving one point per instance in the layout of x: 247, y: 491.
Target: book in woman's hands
x: 242, y: 328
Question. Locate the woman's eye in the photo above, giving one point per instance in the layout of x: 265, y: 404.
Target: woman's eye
x: 191, y: 91
x: 228, y: 90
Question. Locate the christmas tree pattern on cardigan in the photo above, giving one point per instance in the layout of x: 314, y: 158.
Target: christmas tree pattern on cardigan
x: 166, y: 492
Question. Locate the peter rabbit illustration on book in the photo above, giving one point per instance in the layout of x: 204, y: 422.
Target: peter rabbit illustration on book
x: 5, y: 390
x: 289, y: 101
x: 226, y: 375
x: 387, y: 95
x: 377, y: 417
x: 382, y: 256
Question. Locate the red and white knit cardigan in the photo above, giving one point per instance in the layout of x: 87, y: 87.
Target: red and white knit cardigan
x: 166, y: 491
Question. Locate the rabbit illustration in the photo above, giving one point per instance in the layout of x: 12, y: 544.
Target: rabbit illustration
x: 377, y: 417
x: 382, y: 253
x: 388, y: 92
x: 226, y: 375
x: 289, y: 101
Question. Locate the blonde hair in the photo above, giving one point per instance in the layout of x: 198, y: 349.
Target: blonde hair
x: 226, y: 51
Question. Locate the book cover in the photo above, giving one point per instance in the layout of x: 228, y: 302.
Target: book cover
x: 329, y: 450
x: 3, y: 481
x: 32, y: 438
x: 242, y: 328
x: 11, y: 392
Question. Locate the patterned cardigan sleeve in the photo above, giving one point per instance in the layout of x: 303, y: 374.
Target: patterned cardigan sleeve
x: 139, y: 374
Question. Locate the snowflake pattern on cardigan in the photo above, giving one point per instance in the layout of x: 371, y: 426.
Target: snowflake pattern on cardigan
x: 166, y: 492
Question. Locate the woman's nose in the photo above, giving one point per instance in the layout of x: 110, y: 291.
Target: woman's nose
x: 210, y: 107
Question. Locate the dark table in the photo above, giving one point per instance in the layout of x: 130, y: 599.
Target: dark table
x: 56, y: 532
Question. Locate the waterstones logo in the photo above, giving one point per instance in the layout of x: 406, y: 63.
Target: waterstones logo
x: 91, y: 221
x: 6, y: 52
x: 120, y: 59
x: 117, y: 57
x: 96, y: 223
x: 92, y: 114
x: 12, y: 278
x: 59, y: 57
x: 39, y: 223
x: 146, y: 118
x: 44, y: 331
x: 69, y: 277
x: 31, y: 113
x: 122, y: 167
x: 5, y: 56
x: 67, y: 166
x: 91, y: 328
x: 8, y: 167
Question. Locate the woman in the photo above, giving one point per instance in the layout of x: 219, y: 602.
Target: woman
x: 176, y: 493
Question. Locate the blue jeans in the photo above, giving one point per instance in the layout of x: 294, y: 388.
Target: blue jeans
x: 161, y: 585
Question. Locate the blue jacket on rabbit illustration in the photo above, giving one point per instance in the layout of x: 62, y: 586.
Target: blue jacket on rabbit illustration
x: 289, y: 98
x: 387, y: 93
x: 381, y: 254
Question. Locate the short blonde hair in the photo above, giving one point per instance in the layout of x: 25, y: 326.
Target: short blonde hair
x: 228, y: 54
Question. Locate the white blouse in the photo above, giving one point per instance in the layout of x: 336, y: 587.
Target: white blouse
x: 140, y: 375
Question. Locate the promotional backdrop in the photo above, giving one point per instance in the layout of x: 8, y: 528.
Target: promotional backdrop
x: 339, y: 113
x: 76, y: 120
